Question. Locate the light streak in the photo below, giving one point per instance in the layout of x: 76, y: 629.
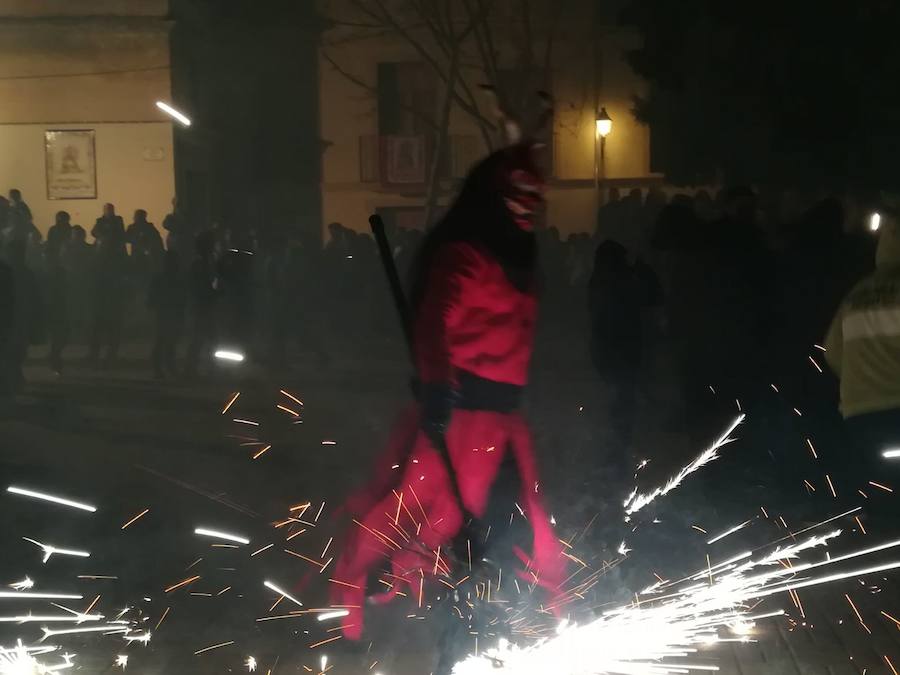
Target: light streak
x: 50, y: 498
x: 181, y: 583
x: 892, y: 453
x: 880, y: 486
x: 140, y: 515
x: 217, y: 534
x: 228, y: 355
x: 231, y: 402
x: 325, y: 642
x: 39, y: 596
x: 273, y: 587
x: 337, y: 614
x: 162, y: 618
x: 169, y: 110
x: 51, y: 618
x: 109, y: 629
x: 261, y: 452
x: 636, y: 501
x: 211, y: 647
x: 812, y: 449
x: 291, y: 396
x: 858, y: 615
x: 731, y: 531
x: 53, y: 550
x: 831, y: 486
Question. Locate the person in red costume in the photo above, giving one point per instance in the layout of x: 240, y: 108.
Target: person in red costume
x: 464, y: 443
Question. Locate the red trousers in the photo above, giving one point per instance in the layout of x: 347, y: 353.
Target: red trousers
x: 408, y: 514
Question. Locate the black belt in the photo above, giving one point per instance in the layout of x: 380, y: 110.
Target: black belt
x: 479, y: 393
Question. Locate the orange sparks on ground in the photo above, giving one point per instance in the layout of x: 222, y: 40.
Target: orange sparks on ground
x: 812, y: 449
x: 231, y: 402
x: 91, y: 606
x: 211, y: 647
x: 262, y: 452
x: 343, y: 583
x: 796, y: 597
x: 891, y: 665
x: 880, y: 486
x: 325, y: 642
x: 896, y: 621
x: 437, y: 561
x: 290, y: 396
x: 858, y: 615
x: 164, y: 615
x: 831, y: 486
x: 140, y: 515
x: 181, y: 583
x: 303, y: 557
x: 378, y: 535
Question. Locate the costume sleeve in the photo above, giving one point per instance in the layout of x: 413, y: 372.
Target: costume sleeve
x: 454, y: 273
x: 834, y: 342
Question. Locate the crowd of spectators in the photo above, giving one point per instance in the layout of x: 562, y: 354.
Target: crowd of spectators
x: 721, y: 290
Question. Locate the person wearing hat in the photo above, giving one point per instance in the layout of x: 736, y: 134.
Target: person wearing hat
x: 863, y: 350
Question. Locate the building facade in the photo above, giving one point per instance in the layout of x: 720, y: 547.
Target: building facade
x: 78, y: 123
x: 374, y: 82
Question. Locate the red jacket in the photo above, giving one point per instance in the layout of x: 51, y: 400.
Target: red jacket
x: 473, y: 318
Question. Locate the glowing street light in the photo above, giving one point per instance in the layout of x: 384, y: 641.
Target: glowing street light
x: 875, y: 221
x: 604, y: 123
x: 171, y: 112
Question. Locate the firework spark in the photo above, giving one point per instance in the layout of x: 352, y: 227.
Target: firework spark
x: 636, y: 501
x: 216, y: 534
x: 53, y: 550
x: 662, y: 635
x: 50, y: 498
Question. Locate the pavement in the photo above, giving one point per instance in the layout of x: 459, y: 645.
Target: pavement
x: 129, y: 445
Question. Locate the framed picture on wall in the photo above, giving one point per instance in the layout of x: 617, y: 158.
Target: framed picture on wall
x: 71, y: 164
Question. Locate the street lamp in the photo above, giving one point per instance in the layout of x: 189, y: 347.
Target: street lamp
x: 603, y: 124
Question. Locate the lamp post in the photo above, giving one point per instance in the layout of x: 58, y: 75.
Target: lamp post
x: 603, y: 124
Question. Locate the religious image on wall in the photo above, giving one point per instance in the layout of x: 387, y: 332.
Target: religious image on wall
x: 405, y: 159
x: 71, y: 164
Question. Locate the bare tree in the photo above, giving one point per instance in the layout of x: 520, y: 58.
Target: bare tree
x: 507, y: 44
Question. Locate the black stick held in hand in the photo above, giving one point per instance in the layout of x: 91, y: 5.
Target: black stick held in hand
x: 390, y: 270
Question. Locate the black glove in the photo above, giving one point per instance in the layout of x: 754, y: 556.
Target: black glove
x: 437, y: 405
